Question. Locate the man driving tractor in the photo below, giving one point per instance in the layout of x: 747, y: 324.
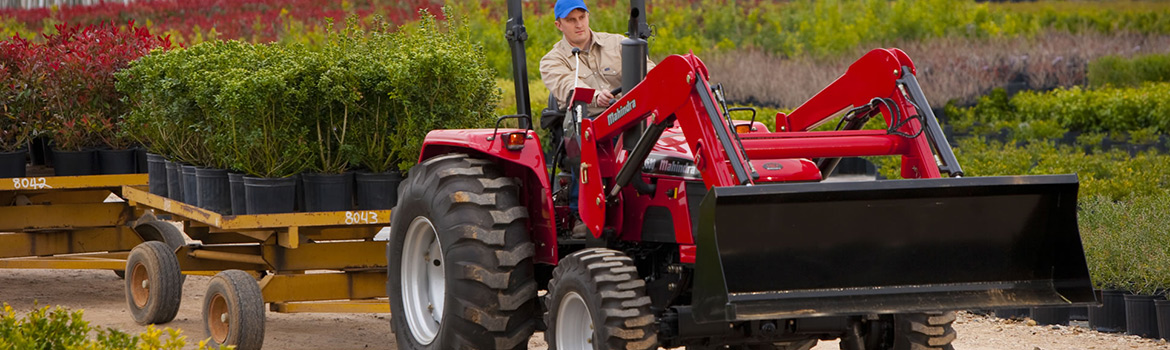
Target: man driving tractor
x: 598, y: 66
x: 600, y: 57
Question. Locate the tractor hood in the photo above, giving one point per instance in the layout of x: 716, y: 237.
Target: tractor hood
x: 671, y: 157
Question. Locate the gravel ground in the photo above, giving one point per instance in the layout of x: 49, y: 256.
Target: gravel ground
x: 99, y: 293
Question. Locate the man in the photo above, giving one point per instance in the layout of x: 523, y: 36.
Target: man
x: 601, y: 57
x: 600, y: 69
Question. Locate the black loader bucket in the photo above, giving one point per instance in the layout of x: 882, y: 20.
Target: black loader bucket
x: 814, y: 249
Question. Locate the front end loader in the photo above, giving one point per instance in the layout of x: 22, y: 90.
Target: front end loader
x: 706, y: 232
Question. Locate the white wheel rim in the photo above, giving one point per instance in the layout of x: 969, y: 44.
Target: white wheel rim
x: 574, y: 324
x: 423, y: 283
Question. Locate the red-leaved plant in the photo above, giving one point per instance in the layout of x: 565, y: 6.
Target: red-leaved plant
x: 65, y: 86
x: 15, y: 127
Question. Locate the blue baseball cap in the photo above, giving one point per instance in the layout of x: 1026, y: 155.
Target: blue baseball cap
x: 563, y: 7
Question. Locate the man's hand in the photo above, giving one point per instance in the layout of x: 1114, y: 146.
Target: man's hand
x: 602, y: 98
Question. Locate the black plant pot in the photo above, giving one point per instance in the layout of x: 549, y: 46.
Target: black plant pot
x: 1140, y: 318
x: 299, y: 193
x: 214, y: 190
x: 270, y: 195
x: 156, y: 174
x: 328, y: 192
x: 1162, y: 307
x: 377, y: 191
x: 1110, y: 317
x: 12, y: 164
x: 1011, y: 313
x: 37, y: 150
x: 117, y: 161
x: 190, y: 185
x: 1078, y: 313
x: 174, y: 180
x: 1050, y: 315
x: 140, y: 162
x: 239, y: 200
x: 73, y: 163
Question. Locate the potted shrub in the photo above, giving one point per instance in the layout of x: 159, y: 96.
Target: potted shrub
x: 328, y: 186
x: 14, y: 130
x: 376, y: 186
x: 268, y: 140
x: 69, y: 88
x: 1147, y: 258
x: 14, y: 139
x: 1105, y: 247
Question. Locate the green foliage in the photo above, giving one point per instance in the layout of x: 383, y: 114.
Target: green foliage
x: 1126, y: 242
x: 1144, y: 109
x: 813, y: 28
x: 59, y: 328
x: 1114, y: 174
x: 363, y: 98
x: 1120, y: 72
x: 443, y: 83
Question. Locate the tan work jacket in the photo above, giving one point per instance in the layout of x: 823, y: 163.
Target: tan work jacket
x: 601, y: 67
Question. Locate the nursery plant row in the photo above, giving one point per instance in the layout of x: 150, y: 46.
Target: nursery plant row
x: 62, y: 90
x: 1142, y: 110
x: 362, y: 102
x: 277, y: 116
x: 793, y: 28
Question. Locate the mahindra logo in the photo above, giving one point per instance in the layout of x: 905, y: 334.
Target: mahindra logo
x: 621, y: 111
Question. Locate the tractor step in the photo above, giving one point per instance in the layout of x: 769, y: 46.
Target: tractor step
x: 815, y: 249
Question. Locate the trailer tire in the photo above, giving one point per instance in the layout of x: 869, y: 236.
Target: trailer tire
x: 154, y: 230
x: 604, y: 284
x: 154, y: 289
x: 233, y: 311
x: 480, y: 290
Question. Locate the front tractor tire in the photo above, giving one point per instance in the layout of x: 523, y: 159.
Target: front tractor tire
x: 460, y: 258
x: 597, y: 301
x: 918, y: 331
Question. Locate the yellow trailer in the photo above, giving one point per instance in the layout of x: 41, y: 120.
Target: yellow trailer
x: 73, y: 222
x: 295, y: 262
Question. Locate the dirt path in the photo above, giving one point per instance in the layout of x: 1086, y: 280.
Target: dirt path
x: 99, y: 293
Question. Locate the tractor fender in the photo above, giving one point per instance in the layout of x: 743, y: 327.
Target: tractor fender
x: 526, y: 164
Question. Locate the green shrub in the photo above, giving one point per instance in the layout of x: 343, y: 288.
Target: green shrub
x: 1143, y: 109
x: 59, y: 328
x: 1120, y: 72
x: 1126, y: 242
x: 363, y: 98
x: 1112, y: 174
x: 442, y: 83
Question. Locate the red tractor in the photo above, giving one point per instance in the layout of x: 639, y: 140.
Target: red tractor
x: 711, y: 233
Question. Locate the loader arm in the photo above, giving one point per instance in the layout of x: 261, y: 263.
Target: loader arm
x: 677, y: 91
x: 779, y: 250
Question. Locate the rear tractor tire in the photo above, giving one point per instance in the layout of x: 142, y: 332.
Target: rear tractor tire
x: 460, y: 258
x: 597, y: 301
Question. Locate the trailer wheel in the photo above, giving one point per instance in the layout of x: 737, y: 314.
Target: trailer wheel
x: 233, y: 311
x: 460, y: 258
x: 154, y: 288
x: 157, y: 230
x: 920, y: 331
x: 596, y: 300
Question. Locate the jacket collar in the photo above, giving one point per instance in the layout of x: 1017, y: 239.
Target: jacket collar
x: 564, y: 45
